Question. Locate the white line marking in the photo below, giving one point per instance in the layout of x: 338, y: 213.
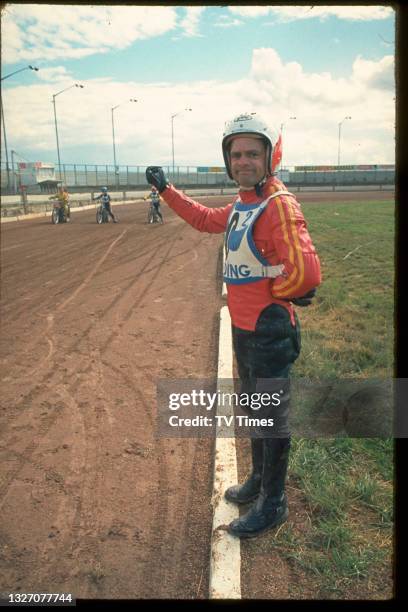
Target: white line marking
x: 225, y: 566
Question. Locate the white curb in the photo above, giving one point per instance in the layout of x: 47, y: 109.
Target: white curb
x: 225, y: 566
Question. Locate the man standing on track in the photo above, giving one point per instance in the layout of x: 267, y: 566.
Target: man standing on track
x: 271, y: 264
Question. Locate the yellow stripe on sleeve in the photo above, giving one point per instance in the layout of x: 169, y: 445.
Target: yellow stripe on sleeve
x: 283, y: 289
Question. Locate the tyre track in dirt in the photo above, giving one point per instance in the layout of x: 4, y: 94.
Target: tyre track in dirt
x: 162, y: 542
x: 47, y: 379
x: 49, y: 271
x: 64, y: 519
x: 173, y: 517
x: 81, y: 522
x: 51, y: 317
x: 38, y: 391
x: 49, y: 550
x: 165, y: 545
x: 160, y: 505
x: 31, y: 395
x: 78, y: 527
x: 85, y: 518
x: 163, y: 480
x: 34, y: 345
x: 133, y: 258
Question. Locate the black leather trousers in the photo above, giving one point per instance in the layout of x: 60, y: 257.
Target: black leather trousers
x: 264, y: 359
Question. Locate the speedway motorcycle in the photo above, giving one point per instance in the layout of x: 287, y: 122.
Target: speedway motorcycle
x: 102, y: 215
x: 152, y: 215
x: 58, y: 214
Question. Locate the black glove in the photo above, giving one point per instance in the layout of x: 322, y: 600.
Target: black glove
x: 305, y: 300
x: 156, y: 177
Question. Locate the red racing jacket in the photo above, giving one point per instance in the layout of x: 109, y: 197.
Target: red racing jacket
x: 280, y: 234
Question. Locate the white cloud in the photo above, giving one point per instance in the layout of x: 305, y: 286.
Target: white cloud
x: 226, y: 22
x: 191, y: 21
x: 55, y: 74
x: 32, y: 32
x: 379, y: 75
x: 275, y: 89
x: 250, y: 11
x: 320, y: 88
x: 292, y: 13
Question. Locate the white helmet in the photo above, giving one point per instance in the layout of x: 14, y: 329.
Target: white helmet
x: 250, y: 124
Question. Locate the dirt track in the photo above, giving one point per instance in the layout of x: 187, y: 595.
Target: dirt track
x: 92, y: 502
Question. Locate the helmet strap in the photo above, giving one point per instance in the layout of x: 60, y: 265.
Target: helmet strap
x: 259, y: 186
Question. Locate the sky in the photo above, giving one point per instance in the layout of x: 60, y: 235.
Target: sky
x: 301, y: 68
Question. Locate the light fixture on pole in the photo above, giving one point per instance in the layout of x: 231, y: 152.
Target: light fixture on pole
x: 116, y: 170
x: 20, y: 70
x: 3, y: 122
x: 55, y: 121
x: 338, y: 153
x: 281, y: 131
x: 172, y: 132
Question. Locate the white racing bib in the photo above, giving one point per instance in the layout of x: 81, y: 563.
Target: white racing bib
x: 243, y: 262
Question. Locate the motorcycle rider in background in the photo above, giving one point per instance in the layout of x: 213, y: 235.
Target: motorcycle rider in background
x: 106, y: 202
x: 63, y: 199
x: 155, y: 201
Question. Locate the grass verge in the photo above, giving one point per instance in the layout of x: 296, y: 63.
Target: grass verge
x: 340, y: 535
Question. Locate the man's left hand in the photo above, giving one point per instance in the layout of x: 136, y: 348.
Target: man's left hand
x: 304, y: 300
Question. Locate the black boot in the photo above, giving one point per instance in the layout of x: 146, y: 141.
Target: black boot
x: 242, y: 494
x: 270, y: 509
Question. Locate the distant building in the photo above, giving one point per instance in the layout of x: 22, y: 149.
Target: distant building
x: 37, y: 174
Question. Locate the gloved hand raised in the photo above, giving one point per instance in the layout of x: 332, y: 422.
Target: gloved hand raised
x: 304, y: 300
x: 156, y: 177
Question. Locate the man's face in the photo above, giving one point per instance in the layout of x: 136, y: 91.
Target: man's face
x: 248, y: 160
